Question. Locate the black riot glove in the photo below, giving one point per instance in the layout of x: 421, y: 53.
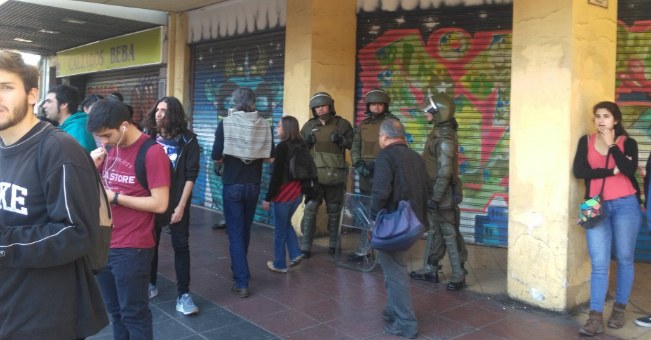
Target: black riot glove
x: 360, y: 167
x: 337, y: 138
x: 369, y: 166
x: 310, y: 139
x: 432, y: 206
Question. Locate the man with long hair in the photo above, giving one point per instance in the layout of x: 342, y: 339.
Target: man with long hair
x: 166, y: 123
x: 49, y: 220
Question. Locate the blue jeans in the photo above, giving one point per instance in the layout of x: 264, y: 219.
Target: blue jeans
x: 240, y: 201
x: 124, y: 283
x: 622, y: 222
x: 284, y: 232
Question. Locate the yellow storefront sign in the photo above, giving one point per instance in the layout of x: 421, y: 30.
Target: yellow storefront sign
x: 142, y: 48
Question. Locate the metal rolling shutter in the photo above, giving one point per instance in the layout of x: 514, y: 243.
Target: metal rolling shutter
x: 633, y: 90
x: 466, y: 53
x: 139, y: 87
x: 256, y: 61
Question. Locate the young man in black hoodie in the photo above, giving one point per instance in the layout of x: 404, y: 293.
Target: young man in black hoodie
x: 49, y: 220
x: 167, y: 124
x: 125, y: 278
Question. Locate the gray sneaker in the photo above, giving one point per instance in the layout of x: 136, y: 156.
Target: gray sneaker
x: 185, y: 305
x: 153, y: 291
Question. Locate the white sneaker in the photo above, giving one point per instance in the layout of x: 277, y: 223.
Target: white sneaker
x: 153, y: 291
x: 185, y: 305
x: 644, y: 322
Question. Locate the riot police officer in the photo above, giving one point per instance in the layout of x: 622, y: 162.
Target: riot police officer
x: 365, y: 149
x: 442, y: 162
x: 328, y: 136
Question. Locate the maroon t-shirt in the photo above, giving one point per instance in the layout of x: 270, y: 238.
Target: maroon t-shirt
x: 134, y: 228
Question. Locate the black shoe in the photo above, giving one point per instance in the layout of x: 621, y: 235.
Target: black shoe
x: 429, y: 277
x: 355, y: 258
x: 387, y: 317
x: 456, y: 286
x: 219, y: 225
x: 306, y: 254
x: 389, y: 329
x: 331, y: 250
x: 241, y: 292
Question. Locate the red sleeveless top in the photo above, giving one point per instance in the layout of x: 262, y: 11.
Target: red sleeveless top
x: 616, y: 186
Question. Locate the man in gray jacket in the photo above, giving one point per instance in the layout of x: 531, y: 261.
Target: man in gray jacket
x: 393, y: 161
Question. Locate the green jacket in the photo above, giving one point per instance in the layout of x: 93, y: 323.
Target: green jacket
x: 356, y: 149
x: 75, y: 126
x: 343, y: 128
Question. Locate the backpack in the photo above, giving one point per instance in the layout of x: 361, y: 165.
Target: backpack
x: 141, y: 174
x: 301, y: 164
x: 98, y: 255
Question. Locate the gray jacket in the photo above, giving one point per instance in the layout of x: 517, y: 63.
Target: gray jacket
x: 387, y: 190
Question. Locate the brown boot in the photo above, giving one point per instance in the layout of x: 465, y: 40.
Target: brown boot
x: 595, y: 324
x: 617, y: 316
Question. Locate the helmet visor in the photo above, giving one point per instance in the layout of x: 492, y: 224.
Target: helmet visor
x: 428, y: 105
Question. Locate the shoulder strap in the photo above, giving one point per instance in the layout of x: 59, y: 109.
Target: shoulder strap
x: 605, y: 178
x: 401, y: 178
x: 49, y: 132
x: 141, y: 170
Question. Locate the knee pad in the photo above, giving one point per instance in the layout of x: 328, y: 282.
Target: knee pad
x: 333, y: 208
x: 448, y: 230
x: 311, y: 207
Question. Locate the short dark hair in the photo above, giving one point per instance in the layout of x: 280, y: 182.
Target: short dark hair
x: 66, y: 94
x: 117, y: 95
x: 244, y: 99
x: 13, y: 62
x: 107, y: 114
x: 393, y: 129
x: 90, y: 100
x: 617, y: 114
x: 175, y: 120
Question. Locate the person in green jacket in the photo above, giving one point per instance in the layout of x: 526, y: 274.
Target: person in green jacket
x: 364, y: 151
x: 61, y: 106
x: 328, y: 136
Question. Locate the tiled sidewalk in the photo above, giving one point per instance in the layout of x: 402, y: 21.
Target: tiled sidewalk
x: 319, y: 300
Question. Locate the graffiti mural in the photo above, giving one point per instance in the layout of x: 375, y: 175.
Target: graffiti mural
x: 220, y: 68
x: 409, y: 54
x: 633, y: 92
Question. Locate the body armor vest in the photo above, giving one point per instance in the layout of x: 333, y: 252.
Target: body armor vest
x: 370, y: 132
x: 322, y: 134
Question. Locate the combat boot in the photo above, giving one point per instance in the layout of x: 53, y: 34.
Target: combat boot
x: 616, y: 319
x: 594, y: 325
x: 458, y: 279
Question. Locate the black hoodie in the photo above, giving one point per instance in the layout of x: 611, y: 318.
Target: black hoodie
x: 49, y: 217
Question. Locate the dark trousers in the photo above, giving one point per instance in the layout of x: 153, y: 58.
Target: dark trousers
x: 180, y: 232
x: 124, y: 283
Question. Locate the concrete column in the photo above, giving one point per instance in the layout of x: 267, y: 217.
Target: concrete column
x: 563, y: 63
x: 178, y: 60
x: 319, y: 56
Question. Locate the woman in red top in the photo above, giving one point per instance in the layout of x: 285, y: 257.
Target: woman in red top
x: 621, y: 202
x: 286, y: 195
